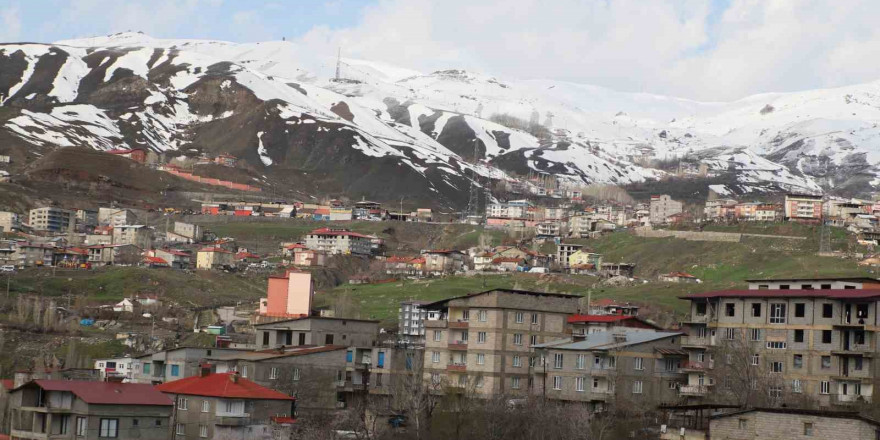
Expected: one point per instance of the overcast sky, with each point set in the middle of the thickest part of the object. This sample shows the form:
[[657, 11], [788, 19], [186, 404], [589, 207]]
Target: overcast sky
[[700, 49]]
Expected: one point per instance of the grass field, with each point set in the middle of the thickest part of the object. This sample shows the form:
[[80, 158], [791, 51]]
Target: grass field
[[719, 265], [114, 283]]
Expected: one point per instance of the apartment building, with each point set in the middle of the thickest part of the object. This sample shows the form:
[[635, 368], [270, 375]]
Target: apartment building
[[114, 368], [338, 241], [9, 221], [564, 251], [76, 409], [719, 209], [483, 341], [224, 406], [138, 235], [641, 368], [514, 209], [116, 217], [51, 219], [411, 321], [173, 364], [214, 258], [803, 207], [808, 336], [443, 261], [86, 219], [662, 207], [317, 330]]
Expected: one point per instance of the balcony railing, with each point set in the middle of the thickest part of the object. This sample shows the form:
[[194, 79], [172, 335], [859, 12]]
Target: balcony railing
[[458, 324], [456, 367], [693, 390], [435, 323], [697, 366], [695, 341], [458, 345]]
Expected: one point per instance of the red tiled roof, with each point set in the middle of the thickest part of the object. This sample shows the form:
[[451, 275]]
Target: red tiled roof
[[297, 246], [245, 255], [221, 385], [794, 293], [107, 393], [7, 383], [155, 260], [175, 252]]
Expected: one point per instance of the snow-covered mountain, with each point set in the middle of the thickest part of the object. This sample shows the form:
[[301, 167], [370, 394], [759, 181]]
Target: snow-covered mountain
[[383, 131]]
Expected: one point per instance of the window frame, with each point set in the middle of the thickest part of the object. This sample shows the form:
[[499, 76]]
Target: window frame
[[108, 431]]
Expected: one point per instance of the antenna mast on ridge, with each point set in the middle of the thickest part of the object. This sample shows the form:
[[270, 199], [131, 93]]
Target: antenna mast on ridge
[[338, 62]]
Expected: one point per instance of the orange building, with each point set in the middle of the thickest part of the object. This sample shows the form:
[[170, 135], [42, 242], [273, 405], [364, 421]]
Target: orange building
[[289, 295]]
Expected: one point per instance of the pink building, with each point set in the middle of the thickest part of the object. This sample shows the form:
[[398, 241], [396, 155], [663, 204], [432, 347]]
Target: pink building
[[289, 295]]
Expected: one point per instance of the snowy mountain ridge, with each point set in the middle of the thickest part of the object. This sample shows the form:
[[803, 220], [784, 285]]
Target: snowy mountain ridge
[[132, 90]]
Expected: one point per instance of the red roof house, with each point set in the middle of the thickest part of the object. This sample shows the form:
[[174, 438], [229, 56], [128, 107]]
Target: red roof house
[[223, 385]]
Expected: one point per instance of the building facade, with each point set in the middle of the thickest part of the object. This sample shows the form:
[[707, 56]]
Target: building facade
[[662, 207], [411, 321], [338, 241], [51, 219], [803, 207]]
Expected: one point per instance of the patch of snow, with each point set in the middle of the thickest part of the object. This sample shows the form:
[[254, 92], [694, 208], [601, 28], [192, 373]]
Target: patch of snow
[[261, 150]]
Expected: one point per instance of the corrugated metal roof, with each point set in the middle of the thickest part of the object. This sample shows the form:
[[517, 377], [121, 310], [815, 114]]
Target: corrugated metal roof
[[106, 393], [607, 341]]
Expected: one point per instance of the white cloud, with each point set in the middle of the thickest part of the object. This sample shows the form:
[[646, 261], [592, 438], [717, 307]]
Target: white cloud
[[10, 23], [660, 46]]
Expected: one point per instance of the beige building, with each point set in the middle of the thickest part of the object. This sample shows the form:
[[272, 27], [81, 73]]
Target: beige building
[[214, 258], [185, 233], [662, 207], [116, 217], [9, 221], [74, 409], [138, 235], [51, 219], [484, 341], [338, 241], [810, 337], [639, 367], [789, 424], [803, 207]]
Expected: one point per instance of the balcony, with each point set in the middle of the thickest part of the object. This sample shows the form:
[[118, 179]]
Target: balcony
[[232, 419], [688, 366], [693, 390], [697, 343], [458, 345], [855, 350], [458, 324], [456, 367], [602, 372], [435, 323], [700, 319]]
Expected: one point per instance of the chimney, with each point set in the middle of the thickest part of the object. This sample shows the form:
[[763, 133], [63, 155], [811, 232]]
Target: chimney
[[234, 377]]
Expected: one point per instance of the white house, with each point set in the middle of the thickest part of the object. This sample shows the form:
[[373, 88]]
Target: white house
[[124, 306]]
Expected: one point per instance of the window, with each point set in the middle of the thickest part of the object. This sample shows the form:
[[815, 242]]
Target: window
[[465, 315], [798, 336], [825, 387], [595, 383], [181, 403], [776, 367], [206, 406], [638, 364], [479, 383], [581, 362], [825, 286], [858, 364], [180, 429], [784, 287], [109, 428], [514, 383], [827, 310], [535, 318], [755, 334], [756, 310], [730, 333], [158, 422], [729, 309], [557, 382], [481, 337], [517, 361], [701, 309], [807, 286], [763, 286], [481, 359], [579, 384], [756, 359], [519, 317], [557, 361], [435, 357], [775, 391], [234, 406], [826, 362], [743, 424], [203, 431], [265, 338], [273, 373], [796, 386], [482, 315], [826, 336], [244, 371], [328, 339], [437, 335], [296, 374], [776, 345], [777, 313], [808, 429], [637, 387], [147, 368], [517, 339], [798, 361], [349, 355], [800, 310], [533, 340], [464, 337], [175, 370], [82, 426]]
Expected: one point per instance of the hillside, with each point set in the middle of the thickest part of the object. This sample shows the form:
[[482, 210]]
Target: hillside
[[383, 132]]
